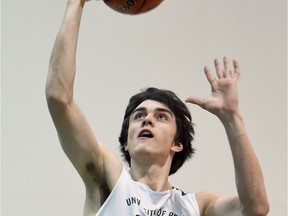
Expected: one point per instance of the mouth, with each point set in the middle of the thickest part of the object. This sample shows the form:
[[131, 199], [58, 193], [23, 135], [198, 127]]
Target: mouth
[[145, 134]]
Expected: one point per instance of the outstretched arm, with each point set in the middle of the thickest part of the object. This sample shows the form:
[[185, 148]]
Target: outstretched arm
[[97, 165], [223, 102]]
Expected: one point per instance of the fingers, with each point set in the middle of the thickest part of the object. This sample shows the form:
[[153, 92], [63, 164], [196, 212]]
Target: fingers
[[223, 88], [236, 68], [218, 67], [209, 75], [227, 67], [225, 71], [195, 100]]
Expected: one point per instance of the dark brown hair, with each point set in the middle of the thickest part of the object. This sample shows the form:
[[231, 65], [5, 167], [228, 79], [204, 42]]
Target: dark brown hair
[[185, 131]]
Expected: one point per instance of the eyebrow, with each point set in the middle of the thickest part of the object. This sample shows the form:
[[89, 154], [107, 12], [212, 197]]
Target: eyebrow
[[140, 109]]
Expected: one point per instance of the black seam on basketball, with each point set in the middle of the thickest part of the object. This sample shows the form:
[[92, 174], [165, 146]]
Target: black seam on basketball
[[141, 7]]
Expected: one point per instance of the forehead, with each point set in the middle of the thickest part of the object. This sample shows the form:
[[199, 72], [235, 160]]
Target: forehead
[[152, 105]]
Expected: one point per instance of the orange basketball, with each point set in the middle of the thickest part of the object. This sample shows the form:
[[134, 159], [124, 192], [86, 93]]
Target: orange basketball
[[132, 6]]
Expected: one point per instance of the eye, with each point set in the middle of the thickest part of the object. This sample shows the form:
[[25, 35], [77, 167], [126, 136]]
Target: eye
[[162, 116], [139, 116]]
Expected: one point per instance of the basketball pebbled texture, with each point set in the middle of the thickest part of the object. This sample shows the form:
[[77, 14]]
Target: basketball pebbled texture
[[132, 6]]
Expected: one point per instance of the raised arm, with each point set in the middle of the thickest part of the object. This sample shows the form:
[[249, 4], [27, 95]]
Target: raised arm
[[97, 165], [223, 102]]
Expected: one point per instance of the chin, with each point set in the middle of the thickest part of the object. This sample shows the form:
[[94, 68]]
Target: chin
[[144, 149]]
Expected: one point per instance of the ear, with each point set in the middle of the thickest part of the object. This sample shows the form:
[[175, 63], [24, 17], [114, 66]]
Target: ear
[[177, 147], [126, 147]]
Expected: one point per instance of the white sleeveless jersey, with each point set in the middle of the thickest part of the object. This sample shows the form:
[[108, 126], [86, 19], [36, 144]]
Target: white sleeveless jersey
[[130, 198]]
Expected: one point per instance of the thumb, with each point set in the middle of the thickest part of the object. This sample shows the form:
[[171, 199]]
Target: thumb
[[195, 100]]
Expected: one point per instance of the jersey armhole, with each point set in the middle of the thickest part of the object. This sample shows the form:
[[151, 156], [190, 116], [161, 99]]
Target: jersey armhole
[[195, 203], [123, 171]]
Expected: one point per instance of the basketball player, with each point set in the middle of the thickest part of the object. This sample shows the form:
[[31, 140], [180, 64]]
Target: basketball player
[[155, 140]]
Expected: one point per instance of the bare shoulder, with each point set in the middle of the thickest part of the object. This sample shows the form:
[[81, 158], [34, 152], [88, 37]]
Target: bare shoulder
[[212, 203], [206, 198]]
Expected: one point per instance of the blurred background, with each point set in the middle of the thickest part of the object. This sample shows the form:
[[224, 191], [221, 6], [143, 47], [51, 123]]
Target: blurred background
[[118, 55]]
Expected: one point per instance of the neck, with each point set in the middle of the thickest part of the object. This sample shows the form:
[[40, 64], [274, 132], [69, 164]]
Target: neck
[[152, 175]]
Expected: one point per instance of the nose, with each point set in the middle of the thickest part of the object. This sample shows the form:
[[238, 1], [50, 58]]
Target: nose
[[147, 121]]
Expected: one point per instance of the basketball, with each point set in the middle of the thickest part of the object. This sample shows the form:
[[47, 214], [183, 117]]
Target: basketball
[[132, 6]]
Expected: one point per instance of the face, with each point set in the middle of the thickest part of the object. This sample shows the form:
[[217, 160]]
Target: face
[[152, 130]]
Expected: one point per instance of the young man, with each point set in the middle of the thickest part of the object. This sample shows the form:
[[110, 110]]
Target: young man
[[155, 140]]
